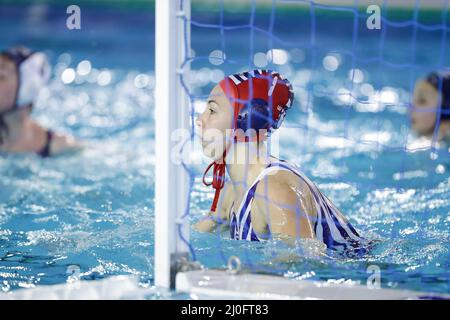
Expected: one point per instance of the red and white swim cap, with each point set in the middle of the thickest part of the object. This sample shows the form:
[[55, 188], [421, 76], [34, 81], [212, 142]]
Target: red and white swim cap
[[260, 99]]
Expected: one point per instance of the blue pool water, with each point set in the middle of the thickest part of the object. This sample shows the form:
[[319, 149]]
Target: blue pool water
[[94, 211]]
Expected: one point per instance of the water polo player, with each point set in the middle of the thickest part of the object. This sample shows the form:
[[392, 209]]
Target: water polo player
[[265, 197], [23, 74], [431, 105]]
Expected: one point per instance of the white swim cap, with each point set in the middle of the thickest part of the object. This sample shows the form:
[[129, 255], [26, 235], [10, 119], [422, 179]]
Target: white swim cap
[[34, 75], [33, 71]]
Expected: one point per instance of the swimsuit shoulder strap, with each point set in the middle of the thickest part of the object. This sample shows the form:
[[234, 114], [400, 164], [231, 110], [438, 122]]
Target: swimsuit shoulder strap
[[242, 215], [45, 151]]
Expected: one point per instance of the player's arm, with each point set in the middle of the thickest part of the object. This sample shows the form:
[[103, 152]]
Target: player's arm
[[209, 222]]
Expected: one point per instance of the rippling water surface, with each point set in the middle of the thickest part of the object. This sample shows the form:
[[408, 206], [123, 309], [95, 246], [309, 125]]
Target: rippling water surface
[[94, 210]]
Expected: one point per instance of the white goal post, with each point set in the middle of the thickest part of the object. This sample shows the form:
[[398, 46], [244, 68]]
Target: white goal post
[[171, 113]]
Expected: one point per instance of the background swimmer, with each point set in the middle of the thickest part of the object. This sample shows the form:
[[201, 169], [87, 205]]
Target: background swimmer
[[429, 94], [22, 75]]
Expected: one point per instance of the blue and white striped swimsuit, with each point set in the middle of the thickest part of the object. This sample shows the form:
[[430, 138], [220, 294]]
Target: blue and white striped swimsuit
[[330, 226]]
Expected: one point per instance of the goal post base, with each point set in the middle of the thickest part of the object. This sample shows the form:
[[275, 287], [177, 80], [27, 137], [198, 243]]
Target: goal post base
[[218, 284]]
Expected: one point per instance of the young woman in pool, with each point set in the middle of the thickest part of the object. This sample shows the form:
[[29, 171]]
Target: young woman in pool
[[22, 75], [265, 197], [431, 95]]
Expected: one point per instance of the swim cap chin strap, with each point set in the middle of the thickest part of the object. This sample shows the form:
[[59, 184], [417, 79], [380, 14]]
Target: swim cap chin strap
[[218, 180]]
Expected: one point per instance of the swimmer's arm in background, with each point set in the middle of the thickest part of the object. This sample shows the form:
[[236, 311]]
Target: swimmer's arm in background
[[64, 144], [61, 143], [213, 219]]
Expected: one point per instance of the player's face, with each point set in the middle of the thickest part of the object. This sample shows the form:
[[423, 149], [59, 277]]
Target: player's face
[[425, 106], [8, 83], [215, 123]]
